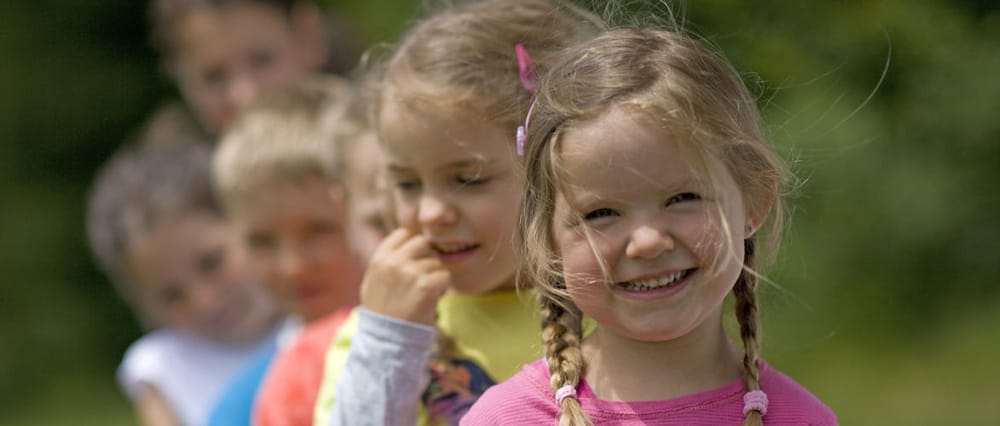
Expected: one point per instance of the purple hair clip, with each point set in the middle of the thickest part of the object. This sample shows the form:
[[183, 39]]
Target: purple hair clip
[[529, 81]]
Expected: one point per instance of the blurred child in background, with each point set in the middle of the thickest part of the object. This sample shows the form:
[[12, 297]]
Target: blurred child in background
[[449, 97], [223, 53], [281, 172], [160, 236]]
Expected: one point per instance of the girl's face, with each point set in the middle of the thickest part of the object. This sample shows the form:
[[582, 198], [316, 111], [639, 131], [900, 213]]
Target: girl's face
[[656, 222], [454, 182], [192, 275], [296, 235], [226, 56]]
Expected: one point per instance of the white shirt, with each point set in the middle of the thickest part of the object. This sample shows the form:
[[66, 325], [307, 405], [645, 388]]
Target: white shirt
[[189, 371]]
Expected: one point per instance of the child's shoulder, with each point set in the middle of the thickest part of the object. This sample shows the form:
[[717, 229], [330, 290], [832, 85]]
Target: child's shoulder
[[522, 399], [150, 358], [790, 402], [155, 345]]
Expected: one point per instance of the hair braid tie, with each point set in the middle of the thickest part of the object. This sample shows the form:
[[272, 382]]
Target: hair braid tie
[[565, 392], [755, 401]]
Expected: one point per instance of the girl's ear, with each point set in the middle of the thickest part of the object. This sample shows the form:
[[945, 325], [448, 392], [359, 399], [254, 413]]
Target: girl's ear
[[756, 214], [309, 26]]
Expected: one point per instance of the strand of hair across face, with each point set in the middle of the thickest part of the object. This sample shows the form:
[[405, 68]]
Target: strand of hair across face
[[561, 336], [746, 315]]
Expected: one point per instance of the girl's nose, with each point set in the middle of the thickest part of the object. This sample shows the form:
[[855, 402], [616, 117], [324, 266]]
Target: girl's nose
[[434, 212], [647, 242]]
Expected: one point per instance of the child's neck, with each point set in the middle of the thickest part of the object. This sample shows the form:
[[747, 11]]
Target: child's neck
[[622, 369]]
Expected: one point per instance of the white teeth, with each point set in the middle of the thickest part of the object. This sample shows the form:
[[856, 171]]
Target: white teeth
[[453, 248], [665, 281]]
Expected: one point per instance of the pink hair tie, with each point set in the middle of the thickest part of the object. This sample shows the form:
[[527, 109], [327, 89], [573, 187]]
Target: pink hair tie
[[565, 392], [529, 78], [755, 401]]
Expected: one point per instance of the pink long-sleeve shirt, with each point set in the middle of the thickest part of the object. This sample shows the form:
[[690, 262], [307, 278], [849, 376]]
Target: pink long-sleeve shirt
[[527, 399]]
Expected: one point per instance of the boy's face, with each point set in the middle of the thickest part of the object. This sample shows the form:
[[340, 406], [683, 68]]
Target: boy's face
[[296, 236], [369, 199], [226, 56], [191, 275]]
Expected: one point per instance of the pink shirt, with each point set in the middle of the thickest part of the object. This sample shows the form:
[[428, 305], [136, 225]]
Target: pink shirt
[[527, 399], [289, 392]]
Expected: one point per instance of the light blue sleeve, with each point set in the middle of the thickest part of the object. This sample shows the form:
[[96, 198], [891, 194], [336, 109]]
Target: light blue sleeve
[[386, 373]]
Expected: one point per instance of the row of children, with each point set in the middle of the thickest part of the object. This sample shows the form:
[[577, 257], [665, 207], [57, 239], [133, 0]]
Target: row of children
[[532, 165]]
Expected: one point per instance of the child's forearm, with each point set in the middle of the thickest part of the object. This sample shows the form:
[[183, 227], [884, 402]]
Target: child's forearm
[[386, 373]]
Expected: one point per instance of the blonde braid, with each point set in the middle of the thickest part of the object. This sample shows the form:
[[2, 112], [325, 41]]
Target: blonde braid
[[561, 337], [746, 315]]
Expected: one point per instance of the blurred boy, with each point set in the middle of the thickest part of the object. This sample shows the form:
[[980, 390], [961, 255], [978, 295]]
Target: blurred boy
[[281, 173], [160, 236]]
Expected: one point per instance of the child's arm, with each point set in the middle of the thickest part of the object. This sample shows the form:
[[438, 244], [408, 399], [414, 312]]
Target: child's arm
[[153, 410], [386, 367], [385, 373]]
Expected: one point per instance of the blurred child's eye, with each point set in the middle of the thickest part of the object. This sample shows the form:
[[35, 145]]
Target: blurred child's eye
[[211, 260], [599, 213], [170, 295], [261, 58], [213, 77], [682, 197], [259, 242], [407, 184]]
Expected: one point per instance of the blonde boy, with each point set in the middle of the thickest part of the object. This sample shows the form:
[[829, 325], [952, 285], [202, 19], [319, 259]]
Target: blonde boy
[[282, 173], [279, 174]]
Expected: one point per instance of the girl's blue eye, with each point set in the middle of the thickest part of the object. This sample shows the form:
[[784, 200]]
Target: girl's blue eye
[[682, 197], [599, 213]]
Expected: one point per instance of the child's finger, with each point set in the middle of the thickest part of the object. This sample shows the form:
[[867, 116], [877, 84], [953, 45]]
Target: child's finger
[[426, 265], [435, 283], [392, 241], [415, 248]]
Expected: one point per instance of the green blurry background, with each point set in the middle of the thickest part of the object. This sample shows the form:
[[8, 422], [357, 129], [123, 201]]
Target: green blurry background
[[884, 304]]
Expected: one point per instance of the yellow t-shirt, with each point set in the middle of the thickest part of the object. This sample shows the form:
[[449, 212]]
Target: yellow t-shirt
[[494, 335]]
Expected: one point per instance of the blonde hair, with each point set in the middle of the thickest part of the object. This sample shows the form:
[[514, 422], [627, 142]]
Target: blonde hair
[[464, 57], [163, 175], [698, 97], [289, 135]]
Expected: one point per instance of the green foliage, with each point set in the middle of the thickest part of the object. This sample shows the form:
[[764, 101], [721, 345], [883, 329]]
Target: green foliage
[[885, 289]]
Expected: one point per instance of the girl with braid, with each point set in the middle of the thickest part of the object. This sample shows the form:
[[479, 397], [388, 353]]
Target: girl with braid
[[440, 320], [650, 190]]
